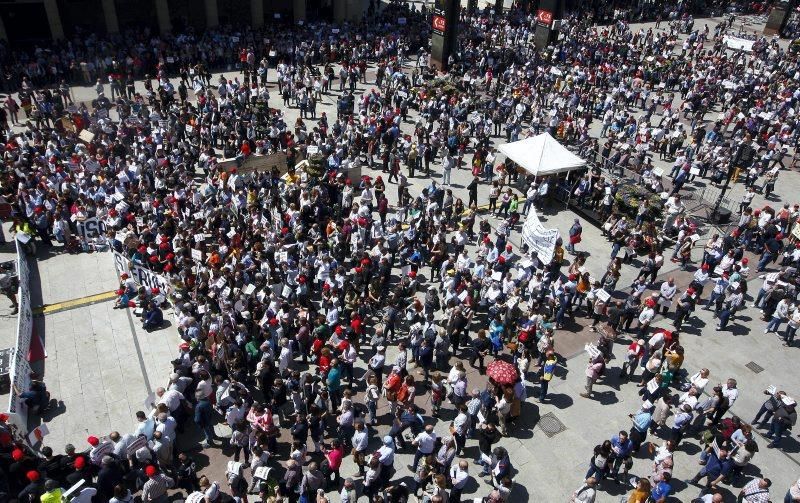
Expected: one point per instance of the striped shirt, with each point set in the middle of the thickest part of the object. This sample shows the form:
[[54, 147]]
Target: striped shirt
[[156, 487]]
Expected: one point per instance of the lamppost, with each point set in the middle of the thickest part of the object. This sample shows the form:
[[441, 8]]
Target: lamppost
[[743, 158]]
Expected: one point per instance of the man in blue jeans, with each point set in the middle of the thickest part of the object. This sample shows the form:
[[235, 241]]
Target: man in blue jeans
[[784, 418], [717, 467], [203, 413], [622, 448], [772, 248]]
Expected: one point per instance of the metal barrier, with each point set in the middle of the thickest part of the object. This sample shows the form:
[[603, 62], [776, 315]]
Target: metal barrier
[[20, 368]]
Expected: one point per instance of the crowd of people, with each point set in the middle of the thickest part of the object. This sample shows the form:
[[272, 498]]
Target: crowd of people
[[286, 282]]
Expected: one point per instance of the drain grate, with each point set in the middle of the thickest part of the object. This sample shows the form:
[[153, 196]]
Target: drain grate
[[550, 425], [755, 367]]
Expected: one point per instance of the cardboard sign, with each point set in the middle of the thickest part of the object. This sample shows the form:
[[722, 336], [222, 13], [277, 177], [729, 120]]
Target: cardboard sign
[[135, 445], [197, 255], [37, 434], [592, 350], [86, 136]]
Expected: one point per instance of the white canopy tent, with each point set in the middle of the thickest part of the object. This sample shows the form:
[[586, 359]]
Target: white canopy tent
[[542, 155]]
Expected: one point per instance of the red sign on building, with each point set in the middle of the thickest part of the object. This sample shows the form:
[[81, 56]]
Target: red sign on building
[[544, 17], [439, 23]]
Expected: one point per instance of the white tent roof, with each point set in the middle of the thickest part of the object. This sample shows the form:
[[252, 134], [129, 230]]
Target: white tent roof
[[541, 155]]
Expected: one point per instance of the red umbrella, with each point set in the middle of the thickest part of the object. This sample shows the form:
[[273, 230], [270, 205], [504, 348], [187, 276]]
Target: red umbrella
[[502, 372]]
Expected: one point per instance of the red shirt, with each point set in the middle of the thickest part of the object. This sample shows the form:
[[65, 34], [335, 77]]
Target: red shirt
[[335, 458]]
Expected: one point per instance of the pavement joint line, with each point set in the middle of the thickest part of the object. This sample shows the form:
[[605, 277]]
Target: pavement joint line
[[139, 356], [74, 303]]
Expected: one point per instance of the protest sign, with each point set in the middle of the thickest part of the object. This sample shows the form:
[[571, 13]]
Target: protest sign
[[541, 241]]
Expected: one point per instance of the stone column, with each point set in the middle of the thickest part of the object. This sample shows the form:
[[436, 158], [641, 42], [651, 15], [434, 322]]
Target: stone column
[[257, 13], [110, 13], [212, 15], [299, 8], [162, 11], [340, 10], [54, 19]]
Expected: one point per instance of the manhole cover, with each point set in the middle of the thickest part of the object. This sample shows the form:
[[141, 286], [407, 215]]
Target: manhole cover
[[550, 425], [755, 367]]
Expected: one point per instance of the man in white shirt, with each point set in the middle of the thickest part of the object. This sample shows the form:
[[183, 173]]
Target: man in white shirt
[[459, 475], [235, 413], [166, 425], [171, 398], [146, 425], [360, 441], [731, 392], [425, 443], [461, 425]]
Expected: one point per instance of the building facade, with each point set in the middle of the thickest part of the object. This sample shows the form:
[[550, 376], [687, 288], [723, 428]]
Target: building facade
[[29, 21]]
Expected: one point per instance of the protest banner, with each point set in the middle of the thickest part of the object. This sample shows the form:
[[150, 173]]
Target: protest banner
[[540, 241], [139, 273]]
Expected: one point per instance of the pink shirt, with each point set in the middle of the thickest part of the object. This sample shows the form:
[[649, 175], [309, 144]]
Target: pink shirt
[[335, 458]]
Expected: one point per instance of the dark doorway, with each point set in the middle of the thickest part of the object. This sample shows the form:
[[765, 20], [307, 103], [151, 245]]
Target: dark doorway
[[185, 14], [25, 23]]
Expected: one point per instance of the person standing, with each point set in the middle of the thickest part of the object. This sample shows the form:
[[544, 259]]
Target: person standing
[[473, 192], [793, 493], [13, 109], [459, 476], [593, 371], [348, 493], [425, 443], [574, 236], [155, 489], [203, 412], [784, 418], [731, 393], [546, 373], [360, 440], [717, 467], [756, 491], [447, 167], [334, 382]]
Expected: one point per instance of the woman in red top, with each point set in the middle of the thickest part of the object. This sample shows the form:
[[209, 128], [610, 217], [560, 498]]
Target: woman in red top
[[324, 363], [333, 461]]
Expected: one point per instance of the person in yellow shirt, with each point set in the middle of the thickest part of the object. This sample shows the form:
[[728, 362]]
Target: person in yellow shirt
[[53, 492]]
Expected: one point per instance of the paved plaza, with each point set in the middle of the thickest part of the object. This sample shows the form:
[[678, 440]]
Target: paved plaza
[[102, 365]]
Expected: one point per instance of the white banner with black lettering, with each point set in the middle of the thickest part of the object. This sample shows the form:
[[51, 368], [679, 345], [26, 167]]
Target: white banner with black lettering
[[140, 274], [540, 241], [20, 368], [91, 228]]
